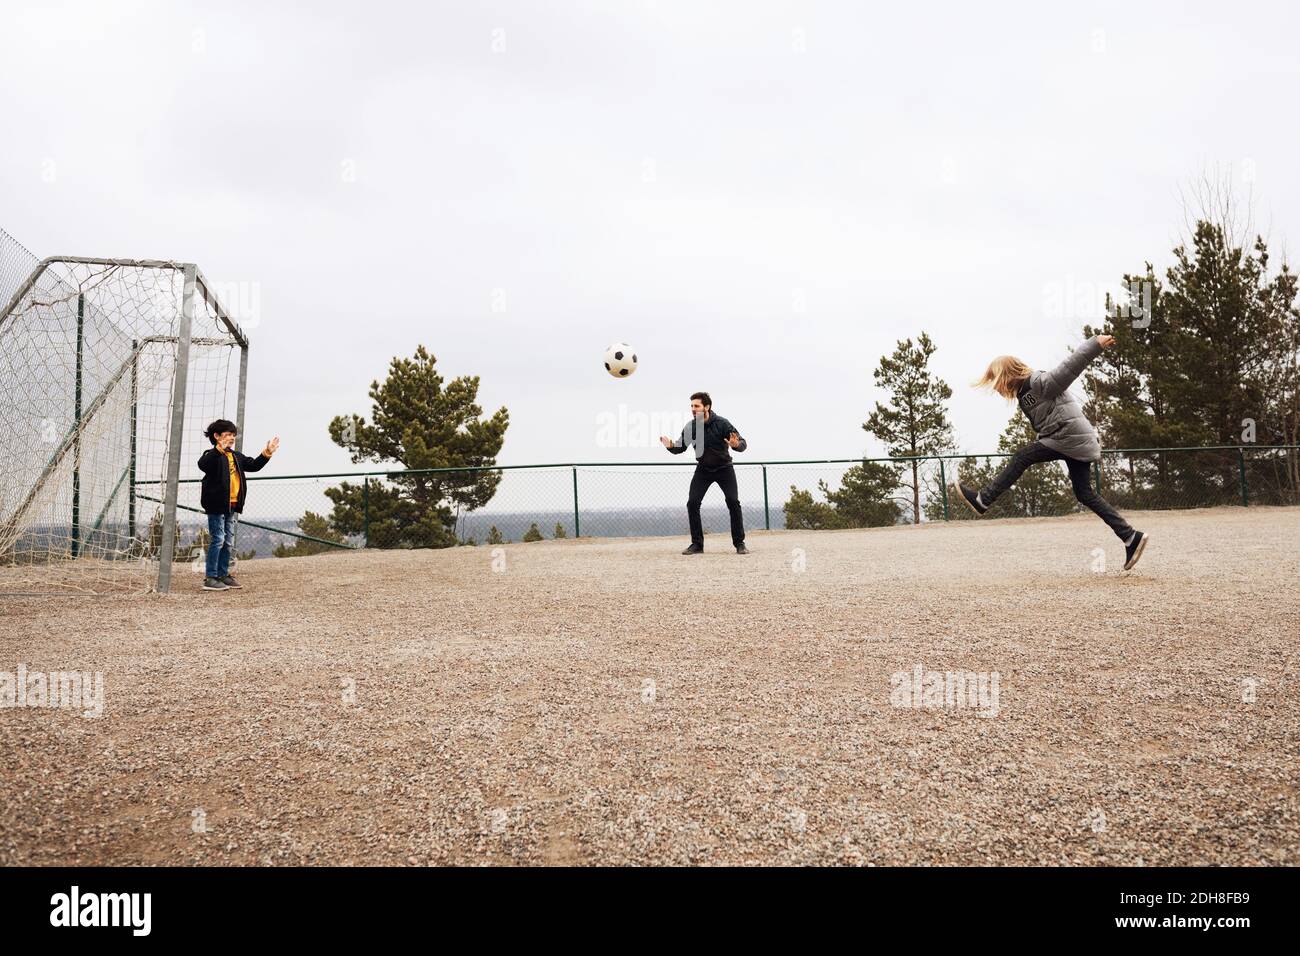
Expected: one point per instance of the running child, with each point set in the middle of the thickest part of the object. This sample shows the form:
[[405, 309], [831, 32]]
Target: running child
[[1063, 432]]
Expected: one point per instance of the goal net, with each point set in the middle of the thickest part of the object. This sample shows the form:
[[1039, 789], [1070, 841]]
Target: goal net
[[109, 371]]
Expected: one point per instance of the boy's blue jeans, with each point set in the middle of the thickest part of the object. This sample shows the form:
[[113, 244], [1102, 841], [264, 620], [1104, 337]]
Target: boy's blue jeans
[[221, 538]]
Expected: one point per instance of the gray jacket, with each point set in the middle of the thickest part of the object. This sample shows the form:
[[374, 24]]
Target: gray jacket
[[1055, 414]]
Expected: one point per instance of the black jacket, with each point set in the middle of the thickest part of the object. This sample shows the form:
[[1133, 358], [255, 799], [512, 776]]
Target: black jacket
[[717, 453], [215, 498]]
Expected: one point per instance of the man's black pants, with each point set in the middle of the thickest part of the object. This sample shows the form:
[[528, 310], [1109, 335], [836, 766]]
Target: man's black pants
[[726, 479], [1079, 478]]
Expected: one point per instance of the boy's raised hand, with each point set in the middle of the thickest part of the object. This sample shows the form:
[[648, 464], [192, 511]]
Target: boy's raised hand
[[271, 446], [1105, 341]]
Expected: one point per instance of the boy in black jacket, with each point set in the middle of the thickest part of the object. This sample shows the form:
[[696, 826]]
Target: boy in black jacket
[[224, 491]]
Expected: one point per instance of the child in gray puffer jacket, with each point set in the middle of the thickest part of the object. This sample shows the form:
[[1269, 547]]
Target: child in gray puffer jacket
[[1063, 433]]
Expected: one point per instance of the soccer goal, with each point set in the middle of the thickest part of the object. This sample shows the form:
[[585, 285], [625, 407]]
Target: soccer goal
[[109, 370]]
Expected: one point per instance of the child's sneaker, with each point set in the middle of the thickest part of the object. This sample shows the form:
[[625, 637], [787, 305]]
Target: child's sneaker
[[968, 495], [230, 582], [215, 584], [1133, 550]]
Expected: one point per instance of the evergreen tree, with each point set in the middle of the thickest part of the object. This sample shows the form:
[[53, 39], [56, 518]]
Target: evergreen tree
[[914, 419], [804, 513], [316, 526], [533, 533], [864, 499], [1217, 351], [419, 421]]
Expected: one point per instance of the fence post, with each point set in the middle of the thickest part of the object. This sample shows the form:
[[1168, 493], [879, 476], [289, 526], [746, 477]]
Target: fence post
[[577, 530], [943, 484], [76, 424], [1096, 475], [365, 513], [130, 464], [767, 515], [1241, 468]]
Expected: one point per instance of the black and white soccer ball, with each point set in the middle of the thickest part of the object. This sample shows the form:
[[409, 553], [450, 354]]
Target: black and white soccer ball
[[620, 360]]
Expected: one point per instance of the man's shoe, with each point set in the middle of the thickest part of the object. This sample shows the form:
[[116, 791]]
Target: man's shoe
[[968, 495], [215, 584], [742, 550], [230, 582], [694, 549], [1133, 550]]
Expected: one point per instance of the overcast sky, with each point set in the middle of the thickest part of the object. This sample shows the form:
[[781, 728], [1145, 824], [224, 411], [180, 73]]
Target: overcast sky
[[762, 197]]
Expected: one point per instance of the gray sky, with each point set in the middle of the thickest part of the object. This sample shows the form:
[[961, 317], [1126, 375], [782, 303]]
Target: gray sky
[[761, 197]]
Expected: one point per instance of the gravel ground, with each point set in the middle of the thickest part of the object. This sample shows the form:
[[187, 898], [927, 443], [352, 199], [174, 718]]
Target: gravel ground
[[609, 701]]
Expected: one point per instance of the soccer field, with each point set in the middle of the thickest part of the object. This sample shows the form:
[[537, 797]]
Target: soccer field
[[610, 701]]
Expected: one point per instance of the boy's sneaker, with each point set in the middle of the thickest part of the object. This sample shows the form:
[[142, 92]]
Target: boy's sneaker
[[215, 584], [230, 582], [968, 495], [742, 550], [1133, 550], [694, 549]]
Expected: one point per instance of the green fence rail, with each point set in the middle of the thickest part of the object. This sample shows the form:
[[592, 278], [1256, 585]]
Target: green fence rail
[[599, 499]]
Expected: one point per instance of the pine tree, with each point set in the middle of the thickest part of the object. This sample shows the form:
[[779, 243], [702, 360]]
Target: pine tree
[[914, 420], [419, 421], [316, 526], [559, 531], [494, 536], [533, 533], [864, 499], [805, 513], [1219, 349]]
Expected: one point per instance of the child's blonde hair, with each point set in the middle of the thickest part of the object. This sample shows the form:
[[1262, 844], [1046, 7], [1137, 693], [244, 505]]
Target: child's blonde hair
[[1005, 375]]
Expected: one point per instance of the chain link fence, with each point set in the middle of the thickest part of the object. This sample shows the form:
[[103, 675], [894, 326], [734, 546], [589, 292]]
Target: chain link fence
[[304, 514]]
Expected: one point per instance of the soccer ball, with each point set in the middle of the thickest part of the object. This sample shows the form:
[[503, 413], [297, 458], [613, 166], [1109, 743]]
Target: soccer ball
[[620, 360]]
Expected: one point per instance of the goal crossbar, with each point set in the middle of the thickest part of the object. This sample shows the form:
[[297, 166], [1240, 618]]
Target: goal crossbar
[[201, 285]]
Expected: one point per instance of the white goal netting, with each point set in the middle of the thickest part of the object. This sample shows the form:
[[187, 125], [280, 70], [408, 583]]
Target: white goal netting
[[91, 351]]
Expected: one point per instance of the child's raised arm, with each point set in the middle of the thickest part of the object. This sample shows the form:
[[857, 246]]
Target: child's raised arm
[[258, 463], [1062, 377]]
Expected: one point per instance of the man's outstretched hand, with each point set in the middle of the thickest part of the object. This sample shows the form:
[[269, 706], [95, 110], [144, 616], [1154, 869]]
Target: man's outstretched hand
[[1105, 341], [666, 441], [733, 440], [271, 446]]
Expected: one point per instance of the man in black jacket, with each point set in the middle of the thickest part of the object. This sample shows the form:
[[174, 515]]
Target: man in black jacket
[[223, 495], [713, 436]]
